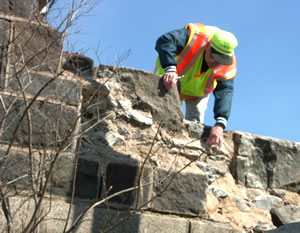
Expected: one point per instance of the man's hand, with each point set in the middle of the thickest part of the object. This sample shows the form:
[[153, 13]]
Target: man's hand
[[216, 135], [170, 80]]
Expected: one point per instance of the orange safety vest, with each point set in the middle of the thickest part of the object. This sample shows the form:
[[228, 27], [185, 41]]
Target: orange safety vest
[[189, 62]]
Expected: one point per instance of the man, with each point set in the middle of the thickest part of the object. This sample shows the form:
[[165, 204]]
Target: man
[[202, 59]]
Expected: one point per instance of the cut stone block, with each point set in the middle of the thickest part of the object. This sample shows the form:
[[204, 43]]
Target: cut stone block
[[259, 162], [213, 227], [88, 179], [121, 176], [59, 88], [4, 35], [36, 47], [96, 220], [24, 8], [78, 64], [181, 193], [286, 214], [50, 124]]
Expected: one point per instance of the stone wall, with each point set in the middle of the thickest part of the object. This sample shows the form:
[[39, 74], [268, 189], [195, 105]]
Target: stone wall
[[137, 165], [39, 108], [26, 8], [238, 188]]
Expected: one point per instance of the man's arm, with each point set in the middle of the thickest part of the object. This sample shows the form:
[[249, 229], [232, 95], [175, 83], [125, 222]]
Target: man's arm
[[223, 98], [171, 44], [168, 46]]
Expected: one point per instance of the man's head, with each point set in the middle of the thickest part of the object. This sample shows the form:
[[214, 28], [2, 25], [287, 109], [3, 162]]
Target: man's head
[[222, 45]]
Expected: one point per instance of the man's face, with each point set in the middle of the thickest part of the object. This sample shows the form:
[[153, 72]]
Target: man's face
[[208, 58]]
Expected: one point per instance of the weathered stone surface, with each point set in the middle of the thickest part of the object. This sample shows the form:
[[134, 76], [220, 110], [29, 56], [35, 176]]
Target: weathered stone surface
[[188, 143], [259, 163], [253, 194], [118, 142], [277, 193], [36, 47], [63, 174], [212, 227], [88, 179], [263, 227], [95, 91], [4, 35], [183, 193], [50, 124], [56, 88], [141, 118], [242, 205], [286, 214], [153, 223], [197, 130], [24, 8], [136, 223], [122, 176], [114, 139], [210, 170], [16, 167], [149, 95], [219, 163], [78, 64], [95, 221], [218, 192], [267, 202], [288, 228]]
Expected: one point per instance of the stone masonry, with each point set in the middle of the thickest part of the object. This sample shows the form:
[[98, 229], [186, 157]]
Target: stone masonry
[[106, 149]]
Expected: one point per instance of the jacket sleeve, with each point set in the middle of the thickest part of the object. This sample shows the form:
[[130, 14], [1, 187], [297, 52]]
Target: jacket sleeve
[[171, 44], [223, 99]]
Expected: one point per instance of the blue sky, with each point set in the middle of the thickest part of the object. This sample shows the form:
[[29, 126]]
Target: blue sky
[[266, 98]]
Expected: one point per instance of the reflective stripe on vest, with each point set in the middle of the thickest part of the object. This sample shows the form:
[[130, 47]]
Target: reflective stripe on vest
[[193, 49], [220, 73], [210, 80]]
